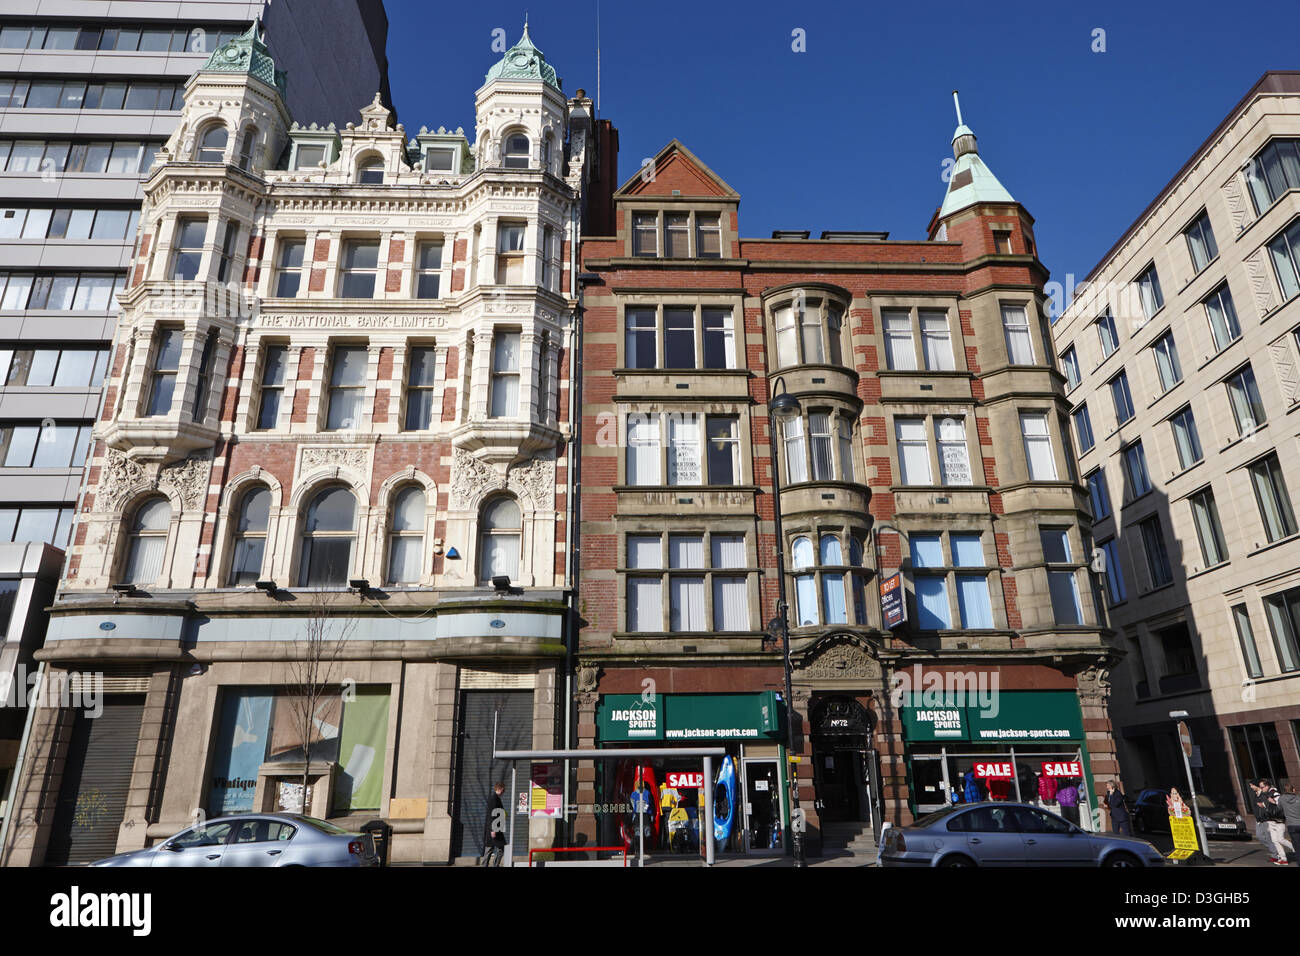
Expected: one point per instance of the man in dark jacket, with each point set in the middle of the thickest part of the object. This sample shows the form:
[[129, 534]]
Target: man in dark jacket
[[1119, 818], [494, 829], [1264, 808]]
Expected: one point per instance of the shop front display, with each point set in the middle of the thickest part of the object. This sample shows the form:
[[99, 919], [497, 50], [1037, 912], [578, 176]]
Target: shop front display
[[750, 811], [1026, 746]]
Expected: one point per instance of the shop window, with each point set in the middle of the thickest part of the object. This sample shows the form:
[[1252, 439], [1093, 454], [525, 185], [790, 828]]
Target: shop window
[[500, 533], [406, 536], [249, 539], [272, 387], [328, 536], [147, 541], [1259, 754], [347, 387]]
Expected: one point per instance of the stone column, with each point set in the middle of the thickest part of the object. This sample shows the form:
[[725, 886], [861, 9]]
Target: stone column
[[442, 743], [1093, 683]]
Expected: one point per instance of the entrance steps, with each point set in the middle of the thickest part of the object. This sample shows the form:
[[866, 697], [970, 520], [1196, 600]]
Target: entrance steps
[[852, 837]]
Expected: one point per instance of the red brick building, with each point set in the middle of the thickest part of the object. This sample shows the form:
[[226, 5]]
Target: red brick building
[[929, 441]]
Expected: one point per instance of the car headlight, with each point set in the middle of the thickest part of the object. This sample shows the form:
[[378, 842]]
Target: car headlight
[[1239, 820], [1207, 821]]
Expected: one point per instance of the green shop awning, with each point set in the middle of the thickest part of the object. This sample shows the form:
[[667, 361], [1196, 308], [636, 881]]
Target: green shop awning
[[1020, 716], [631, 717]]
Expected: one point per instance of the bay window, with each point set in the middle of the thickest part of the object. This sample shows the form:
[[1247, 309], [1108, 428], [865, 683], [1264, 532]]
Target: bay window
[[504, 386], [1020, 343], [1062, 584], [809, 331], [1038, 446]]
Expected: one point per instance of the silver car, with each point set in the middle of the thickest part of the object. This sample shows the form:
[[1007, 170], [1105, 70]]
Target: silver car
[[261, 839], [1008, 834]]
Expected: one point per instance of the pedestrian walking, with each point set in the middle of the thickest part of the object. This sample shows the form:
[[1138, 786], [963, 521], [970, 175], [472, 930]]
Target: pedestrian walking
[[1290, 804], [1263, 806], [1276, 822], [1119, 817], [494, 828]]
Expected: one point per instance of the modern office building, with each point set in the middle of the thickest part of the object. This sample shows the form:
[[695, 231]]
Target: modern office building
[[1181, 357], [922, 455], [89, 92]]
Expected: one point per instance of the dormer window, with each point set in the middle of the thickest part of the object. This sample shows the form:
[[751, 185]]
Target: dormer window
[[309, 157], [439, 159], [708, 236], [645, 234], [212, 145], [685, 235], [371, 172], [515, 155]]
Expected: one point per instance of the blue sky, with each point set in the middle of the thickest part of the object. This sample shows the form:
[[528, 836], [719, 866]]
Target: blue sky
[[852, 133]]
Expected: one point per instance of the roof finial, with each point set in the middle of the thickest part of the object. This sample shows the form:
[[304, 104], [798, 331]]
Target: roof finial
[[525, 36], [957, 103]]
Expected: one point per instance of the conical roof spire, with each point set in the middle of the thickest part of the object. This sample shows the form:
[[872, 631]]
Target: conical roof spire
[[247, 53], [524, 61], [972, 182]]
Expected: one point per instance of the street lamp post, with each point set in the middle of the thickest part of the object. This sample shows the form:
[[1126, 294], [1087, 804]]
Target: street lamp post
[[785, 406]]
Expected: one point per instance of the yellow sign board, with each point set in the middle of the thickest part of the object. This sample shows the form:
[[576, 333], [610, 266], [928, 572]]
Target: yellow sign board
[[1184, 833], [1180, 855]]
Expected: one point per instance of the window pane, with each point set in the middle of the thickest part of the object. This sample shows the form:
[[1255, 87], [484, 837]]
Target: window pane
[[967, 550], [730, 604], [719, 340], [1064, 589], [796, 462], [1246, 636], [931, 603], [684, 450], [973, 601], [899, 351], [723, 450], [926, 550], [639, 344], [1020, 349], [679, 338], [645, 605], [936, 342], [686, 604]]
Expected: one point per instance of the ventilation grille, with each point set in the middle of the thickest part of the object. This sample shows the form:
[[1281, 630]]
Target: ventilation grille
[[510, 676], [117, 678]]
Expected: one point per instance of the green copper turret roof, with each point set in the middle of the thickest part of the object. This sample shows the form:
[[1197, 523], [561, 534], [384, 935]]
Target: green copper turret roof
[[248, 54], [972, 182], [523, 61]]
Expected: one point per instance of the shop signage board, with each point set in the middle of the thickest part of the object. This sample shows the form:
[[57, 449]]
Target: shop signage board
[[997, 769], [893, 608], [630, 717], [1184, 832], [1008, 716]]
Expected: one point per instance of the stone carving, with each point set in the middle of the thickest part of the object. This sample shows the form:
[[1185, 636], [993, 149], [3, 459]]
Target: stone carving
[[841, 661], [1259, 282], [1286, 370], [187, 478], [470, 478], [537, 478], [354, 459], [1236, 207], [588, 677], [1094, 683]]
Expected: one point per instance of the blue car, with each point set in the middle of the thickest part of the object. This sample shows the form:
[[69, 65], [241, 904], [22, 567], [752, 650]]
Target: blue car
[[1008, 834]]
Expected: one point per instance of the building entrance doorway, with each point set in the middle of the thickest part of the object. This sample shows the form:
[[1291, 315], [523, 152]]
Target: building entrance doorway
[[843, 761]]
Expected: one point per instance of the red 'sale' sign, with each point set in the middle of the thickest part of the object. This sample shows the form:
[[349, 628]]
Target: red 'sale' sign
[[996, 769], [685, 781], [1062, 768]]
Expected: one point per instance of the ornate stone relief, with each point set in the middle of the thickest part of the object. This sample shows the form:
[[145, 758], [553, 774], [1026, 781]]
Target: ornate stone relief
[[588, 677], [1259, 283], [841, 660], [354, 459], [1286, 370], [471, 478], [188, 478], [1094, 683]]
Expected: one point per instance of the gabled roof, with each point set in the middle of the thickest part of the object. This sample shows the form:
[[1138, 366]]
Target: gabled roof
[[676, 168]]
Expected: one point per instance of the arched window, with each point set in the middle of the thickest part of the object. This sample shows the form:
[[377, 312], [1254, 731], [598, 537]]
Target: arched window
[[212, 145], [246, 148], [502, 527], [370, 171], [250, 537], [805, 585], [406, 536], [147, 542], [328, 534], [832, 556], [515, 154], [809, 332]]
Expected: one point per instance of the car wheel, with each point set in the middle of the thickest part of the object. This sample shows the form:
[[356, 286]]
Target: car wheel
[[956, 861], [1122, 859]]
